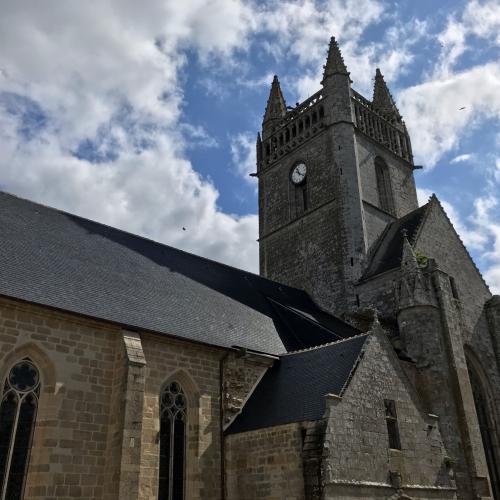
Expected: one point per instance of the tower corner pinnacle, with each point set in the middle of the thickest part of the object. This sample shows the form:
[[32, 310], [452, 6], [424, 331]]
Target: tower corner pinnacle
[[334, 62]]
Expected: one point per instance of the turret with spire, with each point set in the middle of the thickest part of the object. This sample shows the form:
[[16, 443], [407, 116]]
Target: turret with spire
[[275, 109], [334, 62], [337, 84], [383, 101]]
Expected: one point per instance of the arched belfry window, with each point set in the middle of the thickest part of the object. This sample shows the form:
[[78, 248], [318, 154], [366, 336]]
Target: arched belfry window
[[384, 188], [18, 409], [173, 420]]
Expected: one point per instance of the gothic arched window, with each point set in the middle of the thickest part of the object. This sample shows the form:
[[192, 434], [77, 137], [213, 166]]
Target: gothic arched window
[[173, 419], [384, 188], [18, 409]]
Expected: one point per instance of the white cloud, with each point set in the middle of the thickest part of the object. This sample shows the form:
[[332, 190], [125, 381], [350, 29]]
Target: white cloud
[[434, 114], [487, 221], [302, 29], [107, 79], [496, 171], [451, 102], [196, 135], [462, 158], [154, 194], [479, 18], [423, 196], [108, 72], [243, 155], [111, 73]]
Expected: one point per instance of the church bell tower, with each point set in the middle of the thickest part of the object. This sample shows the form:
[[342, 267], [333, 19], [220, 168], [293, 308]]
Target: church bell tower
[[333, 171]]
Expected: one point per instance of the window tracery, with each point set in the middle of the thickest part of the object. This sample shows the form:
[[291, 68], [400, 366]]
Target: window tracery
[[18, 409], [173, 419]]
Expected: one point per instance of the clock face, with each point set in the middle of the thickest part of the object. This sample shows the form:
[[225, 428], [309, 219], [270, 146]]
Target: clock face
[[299, 173]]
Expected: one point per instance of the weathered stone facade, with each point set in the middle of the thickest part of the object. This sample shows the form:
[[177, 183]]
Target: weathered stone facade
[[356, 426], [266, 463], [440, 318], [73, 453]]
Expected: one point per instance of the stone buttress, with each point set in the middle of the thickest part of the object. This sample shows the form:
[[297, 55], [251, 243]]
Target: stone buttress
[[429, 321]]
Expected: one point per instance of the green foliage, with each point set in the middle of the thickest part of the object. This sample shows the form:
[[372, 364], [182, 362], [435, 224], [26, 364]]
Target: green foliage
[[421, 259]]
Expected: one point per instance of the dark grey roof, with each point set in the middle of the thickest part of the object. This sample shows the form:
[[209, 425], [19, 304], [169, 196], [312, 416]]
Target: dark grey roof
[[389, 247], [293, 389], [59, 260]]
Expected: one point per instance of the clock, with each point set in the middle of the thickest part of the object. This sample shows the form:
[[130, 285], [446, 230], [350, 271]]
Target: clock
[[298, 175]]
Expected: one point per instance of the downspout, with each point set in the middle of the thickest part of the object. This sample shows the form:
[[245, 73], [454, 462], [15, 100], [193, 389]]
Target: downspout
[[221, 427]]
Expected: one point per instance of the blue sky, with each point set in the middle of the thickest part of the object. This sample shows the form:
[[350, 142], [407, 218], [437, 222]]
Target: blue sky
[[145, 116]]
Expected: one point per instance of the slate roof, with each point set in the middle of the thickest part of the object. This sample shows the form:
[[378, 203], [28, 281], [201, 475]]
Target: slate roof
[[293, 389], [389, 247], [56, 259]]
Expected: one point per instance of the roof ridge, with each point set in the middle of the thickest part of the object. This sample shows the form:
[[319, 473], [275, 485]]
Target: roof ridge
[[145, 238], [427, 206], [328, 344], [355, 365], [314, 321], [377, 246]]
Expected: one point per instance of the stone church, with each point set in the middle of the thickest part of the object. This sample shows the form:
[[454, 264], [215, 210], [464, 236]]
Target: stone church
[[363, 362]]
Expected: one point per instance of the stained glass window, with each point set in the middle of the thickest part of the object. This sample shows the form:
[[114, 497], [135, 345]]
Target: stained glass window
[[18, 410], [172, 442]]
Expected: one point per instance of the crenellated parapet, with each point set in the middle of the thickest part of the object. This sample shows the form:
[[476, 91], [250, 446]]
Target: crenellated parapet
[[285, 128], [390, 134], [296, 126]]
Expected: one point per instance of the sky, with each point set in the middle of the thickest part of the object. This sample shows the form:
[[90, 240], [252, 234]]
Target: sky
[[143, 115]]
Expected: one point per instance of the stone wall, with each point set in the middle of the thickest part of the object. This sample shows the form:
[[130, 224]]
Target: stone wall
[[376, 222], [304, 251], [76, 358], [196, 368], [115, 424], [481, 350], [438, 239], [359, 462], [378, 293], [265, 463], [277, 190], [97, 430], [401, 174], [241, 374]]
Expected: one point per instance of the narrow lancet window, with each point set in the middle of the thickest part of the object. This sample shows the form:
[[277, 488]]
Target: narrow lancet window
[[172, 442], [18, 409], [386, 200], [391, 419], [301, 199]]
